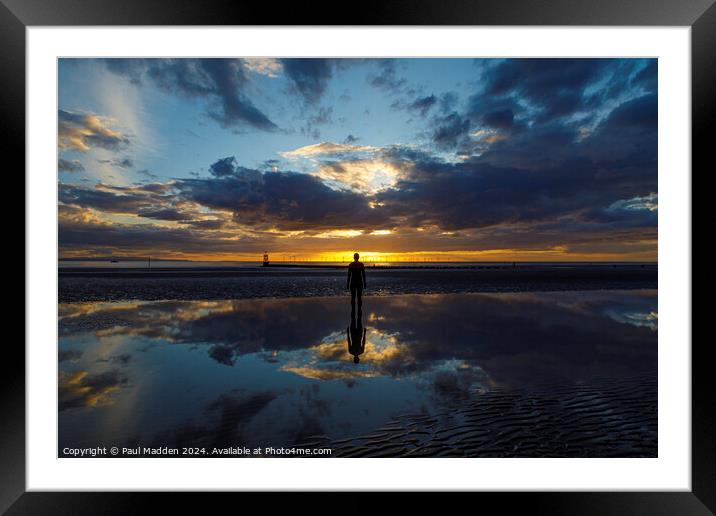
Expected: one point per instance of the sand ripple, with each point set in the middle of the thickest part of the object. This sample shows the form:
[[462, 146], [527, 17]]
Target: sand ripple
[[605, 418]]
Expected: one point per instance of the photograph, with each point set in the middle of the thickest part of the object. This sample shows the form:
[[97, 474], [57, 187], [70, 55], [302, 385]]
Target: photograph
[[337, 257], [318, 248]]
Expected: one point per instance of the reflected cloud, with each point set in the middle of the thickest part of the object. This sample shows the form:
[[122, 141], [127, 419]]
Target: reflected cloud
[[521, 339], [264, 372], [68, 355], [82, 389], [650, 319]]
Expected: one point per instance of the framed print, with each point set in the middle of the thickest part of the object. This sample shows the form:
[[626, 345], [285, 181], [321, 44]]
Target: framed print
[[433, 248]]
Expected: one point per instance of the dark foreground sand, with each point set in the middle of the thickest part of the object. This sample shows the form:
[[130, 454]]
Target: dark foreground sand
[[122, 285], [605, 418]]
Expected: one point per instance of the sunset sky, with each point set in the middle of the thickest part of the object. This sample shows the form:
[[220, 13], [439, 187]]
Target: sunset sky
[[412, 159]]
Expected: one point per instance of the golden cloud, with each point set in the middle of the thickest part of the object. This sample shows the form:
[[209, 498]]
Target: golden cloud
[[325, 148]]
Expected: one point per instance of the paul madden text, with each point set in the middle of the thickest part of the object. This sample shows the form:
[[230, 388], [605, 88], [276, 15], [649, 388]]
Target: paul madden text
[[166, 451]]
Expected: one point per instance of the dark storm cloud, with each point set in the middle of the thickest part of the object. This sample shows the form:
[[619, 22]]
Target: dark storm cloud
[[479, 194], [536, 174], [309, 77], [114, 199], [137, 238], [145, 201], [494, 112], [555, 89], [640, 113], [285, 200], [64, 165], [206, 223], [500, 119], [450, 131], [163, 214], [100, 199], [220, 80], [539, 148], [235, 108], [627, 139], [555, 86], [223, 167]]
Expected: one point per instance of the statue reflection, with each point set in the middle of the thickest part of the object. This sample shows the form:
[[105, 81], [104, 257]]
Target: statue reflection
[[356, 336]]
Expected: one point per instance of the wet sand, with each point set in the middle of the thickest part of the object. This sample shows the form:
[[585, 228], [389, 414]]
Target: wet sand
[[605, 418], [83, 285], [562, 374]]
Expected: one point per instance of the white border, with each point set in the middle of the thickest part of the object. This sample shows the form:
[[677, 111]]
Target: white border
[[672, 470]]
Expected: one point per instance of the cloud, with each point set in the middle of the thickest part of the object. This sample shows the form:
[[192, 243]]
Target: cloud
[[448, 101], [326, 148], [64, 165], [647, 77], [545, 163], [223, 422], [221, 81], [282, 200], [477, 194], [361, 175], [145, 172], [309, 77], [267, 66], [82, 131], [386, 78], [518, 184], [554, 86], [649, 202], [494, 113], [311, 127], [451, 131], [93, 237], [423, 105], [71, 355], [641, 112], [83, 390], [223, 354], [223, 167], [119, 163], [614, 332], [164, 214], [113, 199]]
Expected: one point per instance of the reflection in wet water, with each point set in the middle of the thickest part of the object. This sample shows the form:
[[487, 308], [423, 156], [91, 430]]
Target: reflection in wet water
[[274, 372]]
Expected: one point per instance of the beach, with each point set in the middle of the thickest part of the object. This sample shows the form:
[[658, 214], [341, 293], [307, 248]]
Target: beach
[[557, 372], [83, 284]]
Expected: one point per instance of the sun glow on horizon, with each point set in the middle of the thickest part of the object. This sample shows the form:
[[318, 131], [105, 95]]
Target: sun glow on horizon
[[376, 257]]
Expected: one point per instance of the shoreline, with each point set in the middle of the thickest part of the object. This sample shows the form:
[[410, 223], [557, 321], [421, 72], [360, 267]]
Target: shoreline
[[272, 269], [125, 285]]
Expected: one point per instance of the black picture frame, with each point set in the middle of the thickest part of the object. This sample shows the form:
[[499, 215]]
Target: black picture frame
[[17, 15]]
